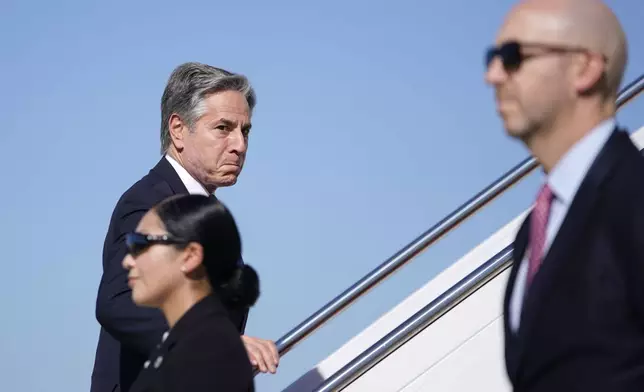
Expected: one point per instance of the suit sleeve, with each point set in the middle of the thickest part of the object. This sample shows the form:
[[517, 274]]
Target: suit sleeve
[[136, 327]]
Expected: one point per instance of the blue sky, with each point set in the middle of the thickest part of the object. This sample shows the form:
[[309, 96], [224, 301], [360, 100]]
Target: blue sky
[[373, 122]]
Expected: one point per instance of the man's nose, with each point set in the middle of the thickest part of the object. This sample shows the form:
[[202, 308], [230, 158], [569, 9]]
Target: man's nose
[[495, 73], [238, 142]]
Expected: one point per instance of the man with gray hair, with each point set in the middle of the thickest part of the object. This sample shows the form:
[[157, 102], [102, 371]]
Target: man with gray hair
[[205, 123]]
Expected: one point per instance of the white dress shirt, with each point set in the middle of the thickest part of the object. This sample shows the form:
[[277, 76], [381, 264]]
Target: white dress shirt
[[193, 186], [564, 180]]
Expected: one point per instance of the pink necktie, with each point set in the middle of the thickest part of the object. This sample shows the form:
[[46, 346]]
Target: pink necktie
[[538, 224]]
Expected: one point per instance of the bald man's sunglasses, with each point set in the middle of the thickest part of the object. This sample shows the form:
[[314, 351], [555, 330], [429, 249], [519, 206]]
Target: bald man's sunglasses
[[138, 243], [512, 54]]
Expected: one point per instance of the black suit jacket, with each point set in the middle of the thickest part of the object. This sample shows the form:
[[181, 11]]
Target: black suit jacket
[[202, 353], [129, 333], [582, 321]]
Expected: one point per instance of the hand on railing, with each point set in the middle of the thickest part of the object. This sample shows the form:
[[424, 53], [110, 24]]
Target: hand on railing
[[262, 353]]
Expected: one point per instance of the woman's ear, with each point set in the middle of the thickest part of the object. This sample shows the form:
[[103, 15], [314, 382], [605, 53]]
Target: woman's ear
[[192, 260]]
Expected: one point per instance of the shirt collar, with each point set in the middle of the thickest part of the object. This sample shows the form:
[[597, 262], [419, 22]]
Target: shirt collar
[[193, 186], [567, 175]]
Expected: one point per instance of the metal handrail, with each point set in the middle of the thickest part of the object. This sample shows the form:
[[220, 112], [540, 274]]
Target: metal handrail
[[419, 321], [444, 303], [384, 270]]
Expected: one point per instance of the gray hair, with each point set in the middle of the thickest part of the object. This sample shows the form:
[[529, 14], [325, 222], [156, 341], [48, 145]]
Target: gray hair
[[188, 86]]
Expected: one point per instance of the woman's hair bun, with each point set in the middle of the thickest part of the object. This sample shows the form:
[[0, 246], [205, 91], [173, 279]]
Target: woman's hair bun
[[242, 290]]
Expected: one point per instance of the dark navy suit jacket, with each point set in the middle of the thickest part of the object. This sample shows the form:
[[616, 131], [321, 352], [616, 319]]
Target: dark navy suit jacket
[[129, 333], [582, 323], [202, 353]]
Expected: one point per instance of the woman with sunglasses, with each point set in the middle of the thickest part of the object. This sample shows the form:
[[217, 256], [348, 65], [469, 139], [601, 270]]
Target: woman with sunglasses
[[183, 260]]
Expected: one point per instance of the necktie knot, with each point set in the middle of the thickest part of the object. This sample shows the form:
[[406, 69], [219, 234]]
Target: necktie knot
[[545, 195]]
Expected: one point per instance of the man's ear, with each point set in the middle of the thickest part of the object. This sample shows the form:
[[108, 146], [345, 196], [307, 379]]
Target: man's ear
[[178, 129], [192, 261], [590, 75]]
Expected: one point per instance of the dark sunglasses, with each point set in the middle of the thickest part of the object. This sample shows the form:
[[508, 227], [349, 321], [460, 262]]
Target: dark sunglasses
[[512, 53], [138, 243]]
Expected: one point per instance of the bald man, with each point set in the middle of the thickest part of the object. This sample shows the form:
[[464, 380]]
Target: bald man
[[574, 304]]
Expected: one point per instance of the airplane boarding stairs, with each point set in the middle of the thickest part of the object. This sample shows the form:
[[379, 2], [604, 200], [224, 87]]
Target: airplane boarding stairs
[[460, 351], [446, 336]]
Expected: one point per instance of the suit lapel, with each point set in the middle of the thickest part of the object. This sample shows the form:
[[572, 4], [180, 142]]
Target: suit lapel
[[568, 236], [518, 250], [165, 170], [511, 341]]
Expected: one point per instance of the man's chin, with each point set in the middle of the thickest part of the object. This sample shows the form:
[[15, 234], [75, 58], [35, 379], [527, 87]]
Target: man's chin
[[514, 130], [226, 181]]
